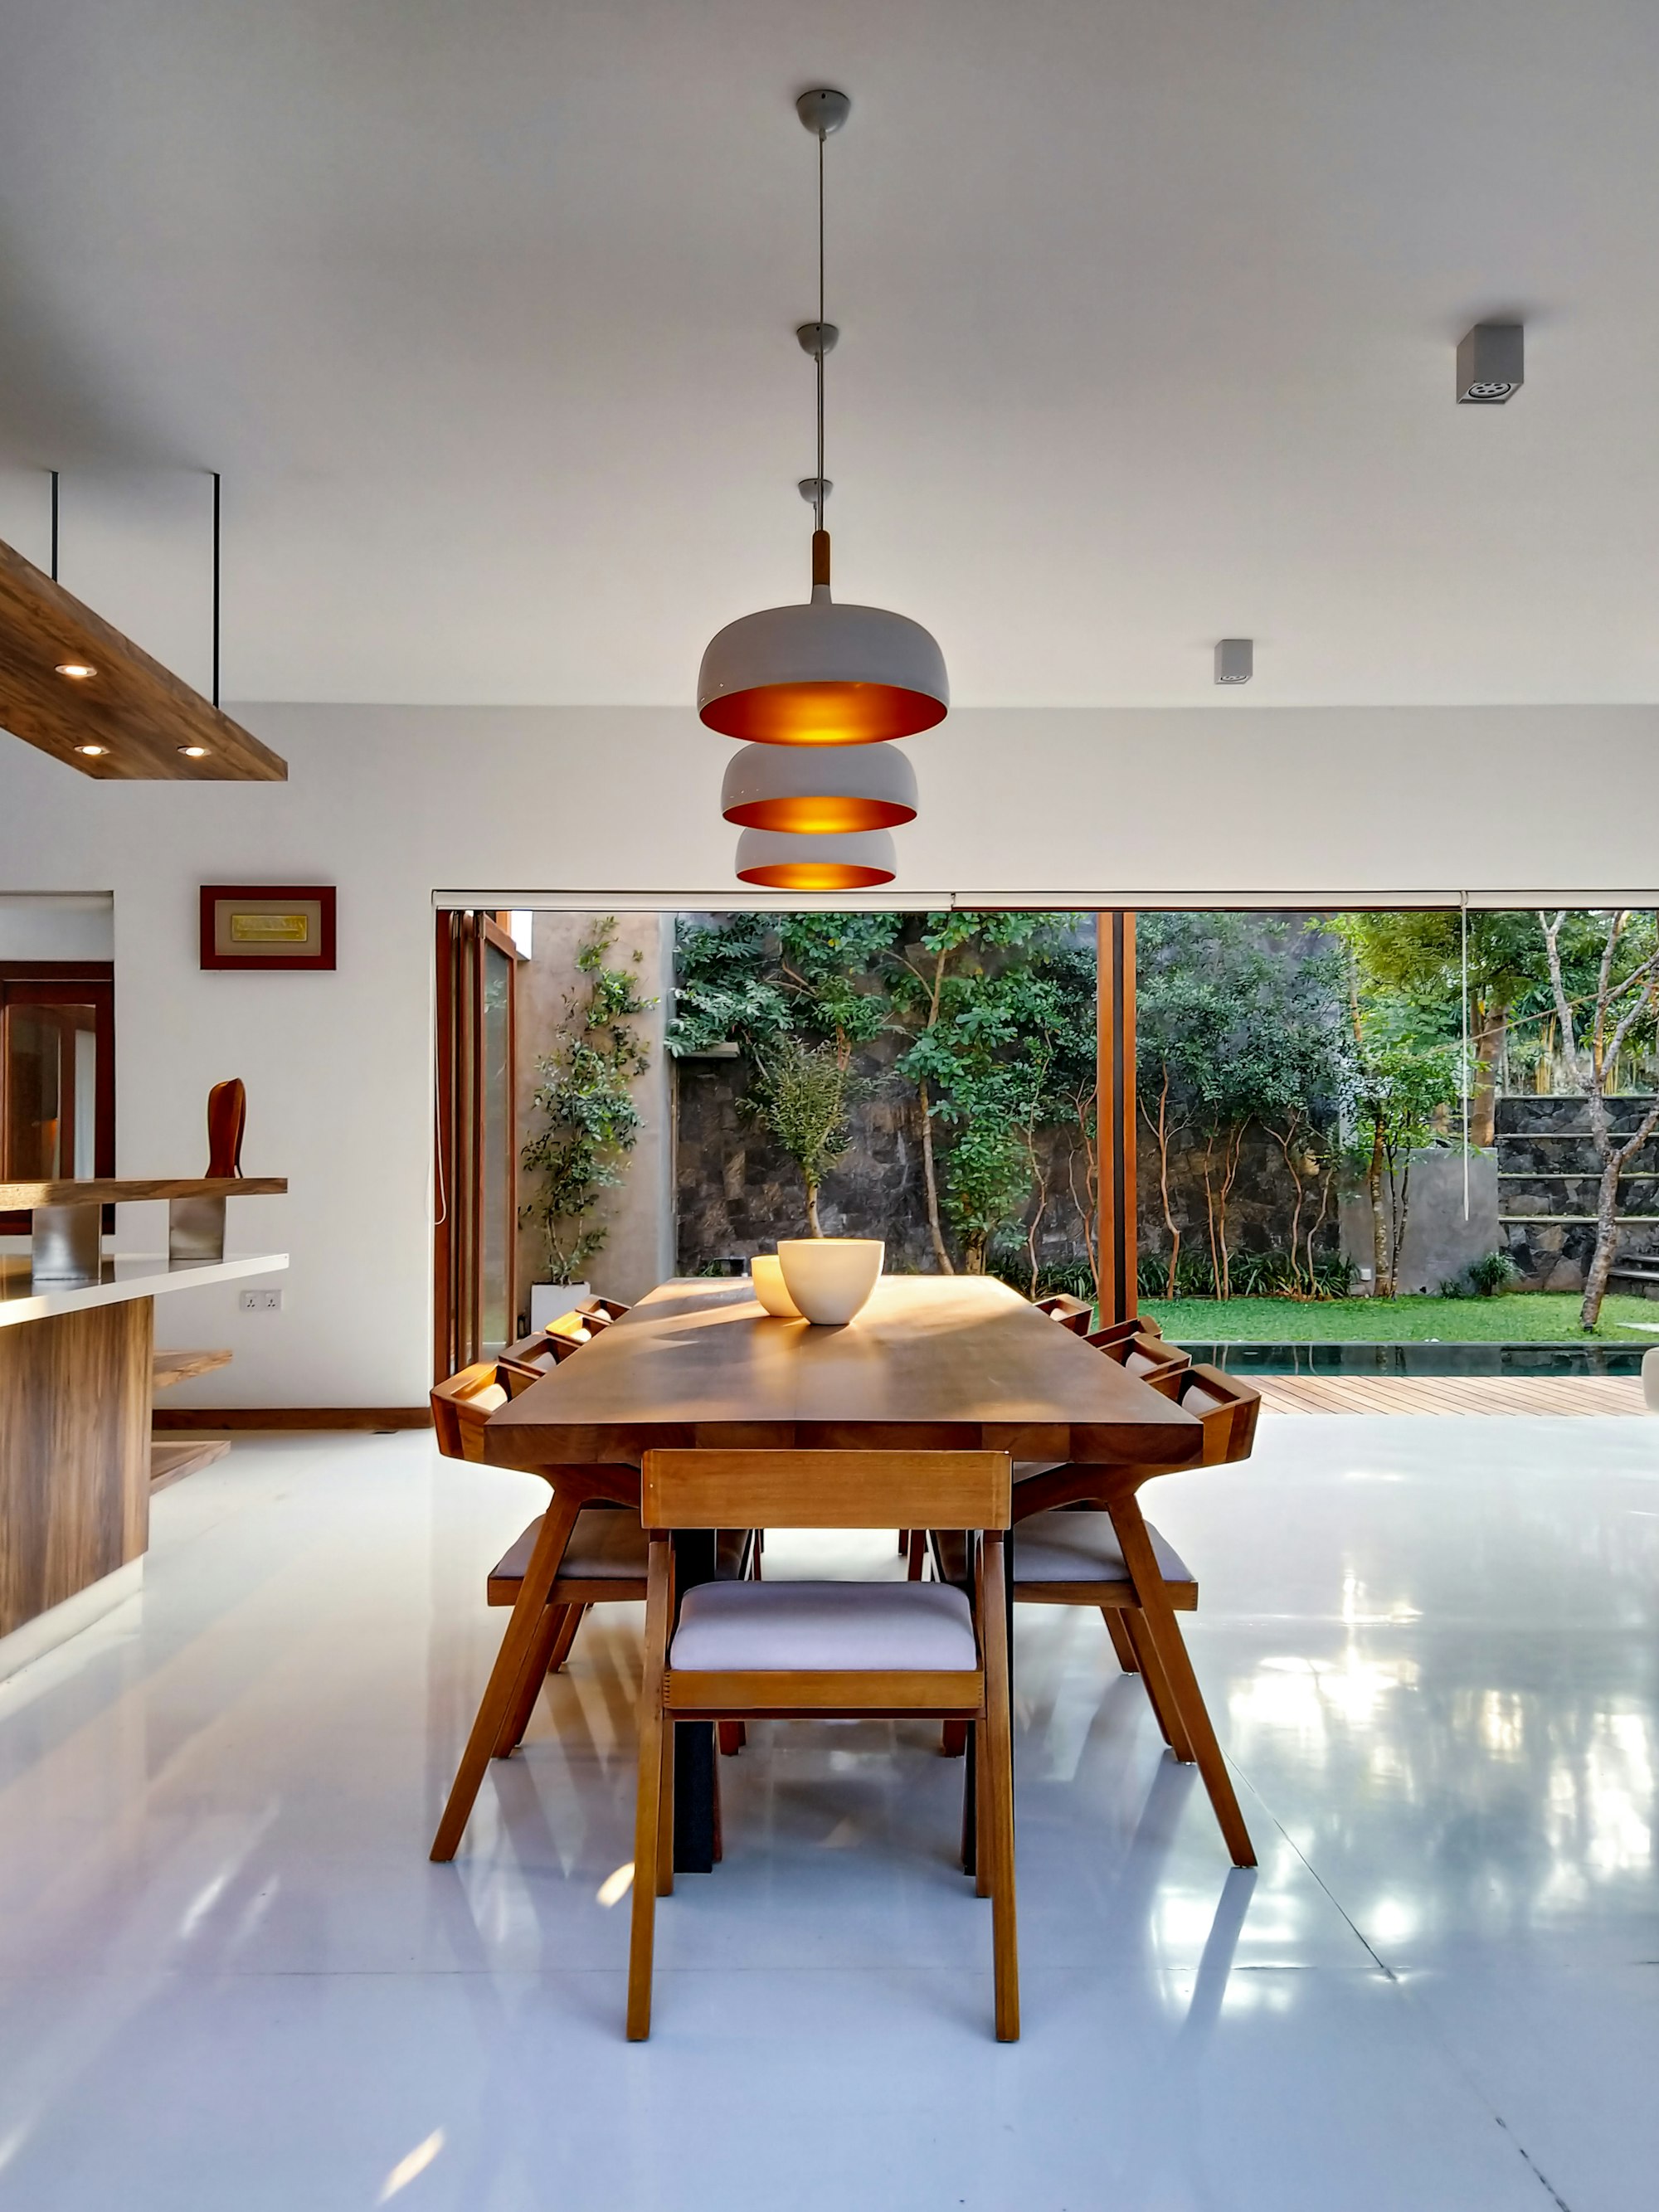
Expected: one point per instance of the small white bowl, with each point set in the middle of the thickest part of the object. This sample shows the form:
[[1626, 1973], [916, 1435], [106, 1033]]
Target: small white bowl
[[766, 1280], [830, 1278]]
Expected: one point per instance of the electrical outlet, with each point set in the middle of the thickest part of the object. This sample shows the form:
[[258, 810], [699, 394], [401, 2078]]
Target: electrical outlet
[[261, 1301]]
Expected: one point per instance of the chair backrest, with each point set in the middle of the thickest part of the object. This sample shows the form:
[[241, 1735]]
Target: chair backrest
[[226, 1116], [718, 1489], [599, 1313], [1226, 1407], [463, 1403], [1114, 1331], [1151, 1360], [537, 1354], [1074, 1314]]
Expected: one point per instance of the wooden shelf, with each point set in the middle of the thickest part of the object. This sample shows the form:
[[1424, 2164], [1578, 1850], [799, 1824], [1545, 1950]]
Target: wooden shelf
[[172, 1462], [116, 1190], [171, 1367], [142, 714]]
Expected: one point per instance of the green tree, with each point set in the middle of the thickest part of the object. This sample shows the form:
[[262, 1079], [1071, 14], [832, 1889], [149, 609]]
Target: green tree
[[801, 1097], [586, 1096], [1621, 1009]]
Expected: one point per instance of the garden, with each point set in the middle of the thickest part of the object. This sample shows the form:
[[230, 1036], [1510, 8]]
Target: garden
[[1304, 1083]]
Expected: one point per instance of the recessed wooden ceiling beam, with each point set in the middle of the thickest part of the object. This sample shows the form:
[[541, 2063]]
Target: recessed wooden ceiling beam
[[142, 714]]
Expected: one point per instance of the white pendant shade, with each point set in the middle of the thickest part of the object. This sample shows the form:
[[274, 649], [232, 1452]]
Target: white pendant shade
[[822, 674], [819, 790], [783, 862]]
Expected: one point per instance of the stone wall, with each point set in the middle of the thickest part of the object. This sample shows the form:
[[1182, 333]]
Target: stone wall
[[1260, 1206], [1546, 1183]]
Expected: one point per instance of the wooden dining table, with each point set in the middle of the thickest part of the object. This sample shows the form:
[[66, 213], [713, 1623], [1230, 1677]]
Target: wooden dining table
[[951, 1362]]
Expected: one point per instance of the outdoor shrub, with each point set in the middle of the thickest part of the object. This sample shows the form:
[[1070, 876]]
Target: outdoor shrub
[[1490, 1276]]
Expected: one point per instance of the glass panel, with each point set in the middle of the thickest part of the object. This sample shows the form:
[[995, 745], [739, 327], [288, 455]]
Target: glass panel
[[51, 1090], [499, 1191]]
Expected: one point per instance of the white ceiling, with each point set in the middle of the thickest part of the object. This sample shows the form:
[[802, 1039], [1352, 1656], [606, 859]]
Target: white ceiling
[[484, 307]]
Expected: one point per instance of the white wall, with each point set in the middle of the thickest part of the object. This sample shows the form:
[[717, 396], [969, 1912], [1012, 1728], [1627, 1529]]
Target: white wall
[[393, 803], [69, 925]]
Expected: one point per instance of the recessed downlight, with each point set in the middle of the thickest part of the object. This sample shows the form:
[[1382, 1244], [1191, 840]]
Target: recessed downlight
[[77, 671], [194, 752], [92, 752]]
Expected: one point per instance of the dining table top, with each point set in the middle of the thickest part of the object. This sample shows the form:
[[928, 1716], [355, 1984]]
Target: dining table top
[[944, 1362]]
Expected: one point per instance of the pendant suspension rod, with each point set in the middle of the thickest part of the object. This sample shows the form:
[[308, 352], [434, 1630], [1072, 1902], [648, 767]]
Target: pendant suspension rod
[[215, 587], [54, 526], [818, 503]]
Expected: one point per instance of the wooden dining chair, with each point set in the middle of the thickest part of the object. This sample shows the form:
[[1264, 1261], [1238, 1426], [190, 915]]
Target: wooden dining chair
[[1113, 1332], [1074, 1314], [599, 1313], [804, 1650], [1080, 1539], [604, 1560], [1150, 1359]]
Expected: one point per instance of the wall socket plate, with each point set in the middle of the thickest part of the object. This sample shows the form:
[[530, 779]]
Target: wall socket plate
[[260, 1302]]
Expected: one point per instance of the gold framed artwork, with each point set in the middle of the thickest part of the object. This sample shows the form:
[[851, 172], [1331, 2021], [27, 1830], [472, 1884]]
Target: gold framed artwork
[[267, 926]]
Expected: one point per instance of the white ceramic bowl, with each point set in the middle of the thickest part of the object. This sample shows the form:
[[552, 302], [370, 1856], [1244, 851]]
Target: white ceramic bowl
[[766, 1280], [830, 1278]]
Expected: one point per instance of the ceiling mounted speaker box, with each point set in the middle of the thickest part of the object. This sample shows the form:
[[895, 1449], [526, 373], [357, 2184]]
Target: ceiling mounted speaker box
[[1235, 659], [1490, 364]]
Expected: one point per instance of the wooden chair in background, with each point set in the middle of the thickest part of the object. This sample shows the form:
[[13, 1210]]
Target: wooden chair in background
[[1074, 1314], [1080, 1539], [749, 1650], [227, 1118], [1149, 1359]]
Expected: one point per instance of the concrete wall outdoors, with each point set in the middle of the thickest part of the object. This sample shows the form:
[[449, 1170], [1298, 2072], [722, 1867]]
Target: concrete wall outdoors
[[1439, 1243], [394, 804], [639, 1251]]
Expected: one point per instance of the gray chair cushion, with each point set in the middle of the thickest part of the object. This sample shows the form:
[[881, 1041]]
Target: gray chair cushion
[[747, 1628], [604, 1546], [1081, 1547], [1198, 1399]]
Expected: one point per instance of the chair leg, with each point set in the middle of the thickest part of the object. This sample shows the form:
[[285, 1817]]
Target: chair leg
[[983, 1848], [575, 1615], [1165, 1710], [537, 1666], [1112, 1615], [917, 1554], [523, 1625], [1165, 1639], [665, 1815], [648, 1813], [730, 1737], [955, 1739], [999, 1785]]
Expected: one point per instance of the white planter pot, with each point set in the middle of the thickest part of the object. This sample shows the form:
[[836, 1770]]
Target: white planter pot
[[552, 1301], [830, 1278]]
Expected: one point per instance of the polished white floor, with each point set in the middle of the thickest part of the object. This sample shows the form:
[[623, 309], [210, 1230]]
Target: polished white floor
[[229, 1977]]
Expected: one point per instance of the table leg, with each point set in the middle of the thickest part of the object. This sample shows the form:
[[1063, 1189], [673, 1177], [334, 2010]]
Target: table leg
[[694, 1741]]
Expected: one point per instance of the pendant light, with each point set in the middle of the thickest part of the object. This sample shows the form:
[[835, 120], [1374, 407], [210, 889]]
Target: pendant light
[[819, 790], [825, 673], [782, 861]]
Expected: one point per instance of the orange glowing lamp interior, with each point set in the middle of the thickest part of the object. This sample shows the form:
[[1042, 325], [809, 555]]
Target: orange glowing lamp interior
[[829, 814], [823, 714], [815, 876]]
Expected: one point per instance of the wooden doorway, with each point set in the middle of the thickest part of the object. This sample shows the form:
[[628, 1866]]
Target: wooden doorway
[[476, 1129]]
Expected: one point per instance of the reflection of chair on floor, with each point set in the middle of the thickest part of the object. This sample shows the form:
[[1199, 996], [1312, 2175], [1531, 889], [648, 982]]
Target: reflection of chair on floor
[[825, 1649], [1080, 1539]]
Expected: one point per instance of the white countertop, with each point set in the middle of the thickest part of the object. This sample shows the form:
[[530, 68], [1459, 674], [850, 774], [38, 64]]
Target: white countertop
[[140, 1276]]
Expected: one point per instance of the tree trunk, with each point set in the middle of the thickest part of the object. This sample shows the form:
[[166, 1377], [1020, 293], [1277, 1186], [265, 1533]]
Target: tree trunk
[[1489, 1043], [1607, 1242], [813, 1226], [930, 1183], [1379, 1222], [1400, 1195], [1160, 1130]]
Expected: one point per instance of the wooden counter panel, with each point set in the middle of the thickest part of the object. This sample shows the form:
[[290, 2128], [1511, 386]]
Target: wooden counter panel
[[74, 1453], [121, 1190]]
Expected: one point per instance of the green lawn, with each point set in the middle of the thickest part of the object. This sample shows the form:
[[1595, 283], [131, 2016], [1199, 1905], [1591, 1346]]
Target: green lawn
[[1520, 1316]]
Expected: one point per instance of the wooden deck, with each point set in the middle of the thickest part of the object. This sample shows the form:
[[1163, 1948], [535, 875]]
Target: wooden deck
[[1555, 1395]]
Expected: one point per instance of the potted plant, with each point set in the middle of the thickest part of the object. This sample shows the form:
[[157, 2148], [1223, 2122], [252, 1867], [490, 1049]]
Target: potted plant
[[801, 1098], [590, 1120]]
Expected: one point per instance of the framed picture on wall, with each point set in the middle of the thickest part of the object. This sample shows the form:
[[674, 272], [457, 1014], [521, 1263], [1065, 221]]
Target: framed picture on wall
[[267, 926]]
